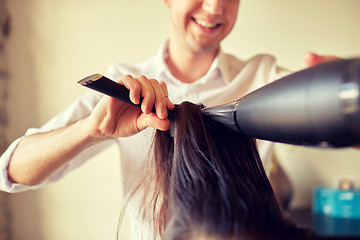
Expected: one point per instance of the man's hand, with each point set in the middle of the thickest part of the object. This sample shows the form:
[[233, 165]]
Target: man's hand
[[112, 118], [311, 59], [40, 155]]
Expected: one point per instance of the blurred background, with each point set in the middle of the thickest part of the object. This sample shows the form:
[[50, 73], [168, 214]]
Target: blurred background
[[53, 44]]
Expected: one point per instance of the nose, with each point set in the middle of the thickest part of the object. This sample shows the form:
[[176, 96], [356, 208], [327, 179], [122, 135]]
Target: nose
[[213, 6]]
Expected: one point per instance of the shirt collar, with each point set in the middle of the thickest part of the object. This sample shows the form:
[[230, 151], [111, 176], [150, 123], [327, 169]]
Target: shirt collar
[[220, 64], [223, 66]]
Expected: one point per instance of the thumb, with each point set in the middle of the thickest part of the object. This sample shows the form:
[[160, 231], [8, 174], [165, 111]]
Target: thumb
[[153, 121]]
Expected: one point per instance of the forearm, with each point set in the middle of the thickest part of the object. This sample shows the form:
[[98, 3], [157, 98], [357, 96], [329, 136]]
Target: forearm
[[38, 156]]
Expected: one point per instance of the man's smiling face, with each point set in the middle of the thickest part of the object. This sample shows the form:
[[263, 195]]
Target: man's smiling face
[[201, 24]]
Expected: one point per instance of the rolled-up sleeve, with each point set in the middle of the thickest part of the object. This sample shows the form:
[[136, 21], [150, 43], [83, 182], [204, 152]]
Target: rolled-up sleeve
[[81, 107]]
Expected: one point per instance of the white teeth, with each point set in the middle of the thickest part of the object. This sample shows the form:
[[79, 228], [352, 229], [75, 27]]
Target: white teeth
[[205, 24]]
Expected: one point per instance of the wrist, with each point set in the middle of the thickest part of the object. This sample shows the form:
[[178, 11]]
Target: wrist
[[91, 135]]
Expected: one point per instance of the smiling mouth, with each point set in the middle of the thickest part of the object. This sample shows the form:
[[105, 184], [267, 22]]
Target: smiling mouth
[[205, 24]]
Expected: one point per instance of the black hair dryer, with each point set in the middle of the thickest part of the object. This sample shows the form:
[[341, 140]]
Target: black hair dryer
[[318, 106]]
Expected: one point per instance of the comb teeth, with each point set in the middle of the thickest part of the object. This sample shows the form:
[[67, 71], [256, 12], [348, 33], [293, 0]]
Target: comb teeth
[[172, 129], [172, 123]]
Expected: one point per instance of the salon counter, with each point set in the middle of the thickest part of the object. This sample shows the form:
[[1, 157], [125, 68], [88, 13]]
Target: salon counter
[[327, 227]]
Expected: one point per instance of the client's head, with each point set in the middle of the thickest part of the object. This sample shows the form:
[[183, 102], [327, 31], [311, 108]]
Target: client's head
[[208, 182]]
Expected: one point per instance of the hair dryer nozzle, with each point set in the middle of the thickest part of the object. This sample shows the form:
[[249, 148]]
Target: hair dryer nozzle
[[224, 114]]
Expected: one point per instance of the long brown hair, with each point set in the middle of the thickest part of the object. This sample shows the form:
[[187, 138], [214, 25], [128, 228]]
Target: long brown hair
[[209, 181]]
